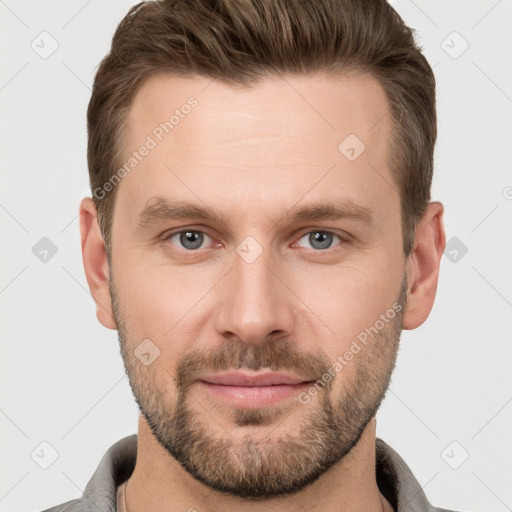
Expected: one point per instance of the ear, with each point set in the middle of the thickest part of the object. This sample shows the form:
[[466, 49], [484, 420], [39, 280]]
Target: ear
[[95, 262], [423, 266]]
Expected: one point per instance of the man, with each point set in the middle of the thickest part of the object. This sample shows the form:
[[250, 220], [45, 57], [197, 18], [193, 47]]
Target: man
[[259, 233]]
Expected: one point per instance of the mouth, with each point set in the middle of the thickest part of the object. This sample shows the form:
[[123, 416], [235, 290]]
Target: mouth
[[253, 390]]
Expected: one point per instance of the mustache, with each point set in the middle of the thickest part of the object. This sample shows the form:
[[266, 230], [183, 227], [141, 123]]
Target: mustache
[[278, 355]]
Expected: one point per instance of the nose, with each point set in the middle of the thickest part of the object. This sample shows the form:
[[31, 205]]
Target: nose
[[255, 303]]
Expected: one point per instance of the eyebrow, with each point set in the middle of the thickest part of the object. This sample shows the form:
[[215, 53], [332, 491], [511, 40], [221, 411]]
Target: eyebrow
[[161, 210]]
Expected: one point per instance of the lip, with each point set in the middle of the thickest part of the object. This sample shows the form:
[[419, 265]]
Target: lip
[[236, 378], [253, 391]]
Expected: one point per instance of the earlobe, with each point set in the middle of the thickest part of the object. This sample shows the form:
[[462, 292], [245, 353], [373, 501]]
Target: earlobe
[[423, 266], [95, 262]]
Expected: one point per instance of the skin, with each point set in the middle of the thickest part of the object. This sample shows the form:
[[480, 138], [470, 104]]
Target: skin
[[252, 154]]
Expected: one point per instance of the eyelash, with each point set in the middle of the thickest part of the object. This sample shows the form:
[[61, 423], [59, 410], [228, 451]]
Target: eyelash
[[343, 240]]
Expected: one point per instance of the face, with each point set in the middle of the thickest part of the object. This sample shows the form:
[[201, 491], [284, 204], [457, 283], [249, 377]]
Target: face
[[246, 239]]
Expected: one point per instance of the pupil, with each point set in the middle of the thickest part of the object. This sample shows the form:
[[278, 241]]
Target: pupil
[[320, 239], [191, 239]]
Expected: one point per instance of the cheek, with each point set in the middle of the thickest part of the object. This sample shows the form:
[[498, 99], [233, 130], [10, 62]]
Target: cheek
[[347, 298], [162, 302]]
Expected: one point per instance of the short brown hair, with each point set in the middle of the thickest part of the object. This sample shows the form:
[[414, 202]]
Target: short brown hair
[[244, 41]]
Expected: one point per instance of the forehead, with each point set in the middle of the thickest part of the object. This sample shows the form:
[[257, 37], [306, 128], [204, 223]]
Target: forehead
[[272, 143], [312, 106]]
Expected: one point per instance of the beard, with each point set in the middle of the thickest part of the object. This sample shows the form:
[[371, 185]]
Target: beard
[[265, 461]]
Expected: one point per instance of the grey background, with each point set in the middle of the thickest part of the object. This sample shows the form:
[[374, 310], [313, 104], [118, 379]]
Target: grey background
[[62, 379]]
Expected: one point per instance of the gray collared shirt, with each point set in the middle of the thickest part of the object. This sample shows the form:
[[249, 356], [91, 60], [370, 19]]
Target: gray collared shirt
[[394, 478]]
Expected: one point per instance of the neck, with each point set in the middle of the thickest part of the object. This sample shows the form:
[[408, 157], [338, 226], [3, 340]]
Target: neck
[[159, 483]]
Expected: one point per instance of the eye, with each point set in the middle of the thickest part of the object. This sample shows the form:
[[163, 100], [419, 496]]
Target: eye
[[189, 239], [321, 240]]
